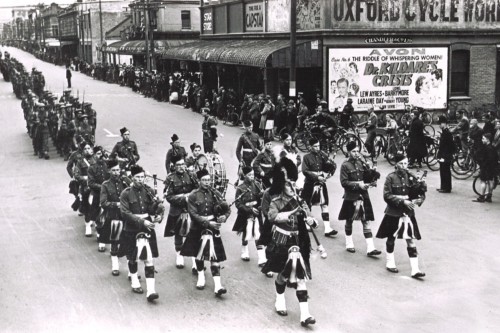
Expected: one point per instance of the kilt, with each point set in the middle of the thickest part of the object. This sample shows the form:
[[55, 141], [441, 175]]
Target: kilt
[[307, 193], [266, 233], [128, 245], [347, 210], [390, 225], [172, 227], [277, 256], [94, 206], [104, 232], [240, 225], [193, 242]]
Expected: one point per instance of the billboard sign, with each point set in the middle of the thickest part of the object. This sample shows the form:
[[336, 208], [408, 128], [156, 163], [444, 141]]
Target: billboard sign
[[388, 77], [254, 17]]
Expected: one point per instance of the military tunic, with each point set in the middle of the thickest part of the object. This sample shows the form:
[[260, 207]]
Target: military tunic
[[251, 197], [201, 208], [351, 173], [397, 186], [128, 150], [136, 201], [313, 165], [178, 186], [209, 133], [248, 148], [109, 201], [264, 163]]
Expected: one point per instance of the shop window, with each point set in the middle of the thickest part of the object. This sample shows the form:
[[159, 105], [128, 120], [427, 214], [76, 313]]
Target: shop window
[[55, 31], [460, 73], [186, 19]]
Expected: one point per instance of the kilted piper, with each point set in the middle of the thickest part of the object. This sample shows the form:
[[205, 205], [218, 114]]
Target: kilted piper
[[403, 191], [208, 211], [289, 249], [111, 229], [249, 220], [178, 185], [317, 167], [354, 174], [140, 210]]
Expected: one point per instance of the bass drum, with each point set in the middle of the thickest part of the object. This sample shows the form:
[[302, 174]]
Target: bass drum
[[215, 166]]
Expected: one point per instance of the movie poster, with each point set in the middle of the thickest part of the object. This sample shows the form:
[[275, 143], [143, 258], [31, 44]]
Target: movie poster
[[388, 78]]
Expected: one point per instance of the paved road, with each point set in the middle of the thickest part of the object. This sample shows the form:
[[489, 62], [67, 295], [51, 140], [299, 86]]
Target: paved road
[[54, 280]]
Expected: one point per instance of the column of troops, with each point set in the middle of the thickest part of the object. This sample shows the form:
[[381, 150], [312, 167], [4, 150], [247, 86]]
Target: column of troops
[[274, 198]]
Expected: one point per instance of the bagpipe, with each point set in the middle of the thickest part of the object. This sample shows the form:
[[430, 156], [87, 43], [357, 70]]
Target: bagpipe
[[156, 207], [329, 164], [370, 173], [417, 186]]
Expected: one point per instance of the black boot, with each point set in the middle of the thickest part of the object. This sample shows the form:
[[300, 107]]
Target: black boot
[[480, 198], [488, 197]]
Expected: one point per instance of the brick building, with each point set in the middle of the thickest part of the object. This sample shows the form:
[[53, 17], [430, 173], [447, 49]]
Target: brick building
[[386, 53]]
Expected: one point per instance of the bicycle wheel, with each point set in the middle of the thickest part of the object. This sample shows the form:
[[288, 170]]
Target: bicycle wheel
[[302, 141], [429, 129], [431, 159], [427, 118], [380, 145], [345, 139], [463, 170], [476, 185], [354, 119]]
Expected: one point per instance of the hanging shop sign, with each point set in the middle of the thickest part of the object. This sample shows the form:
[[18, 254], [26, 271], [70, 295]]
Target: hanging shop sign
[[388, 78]]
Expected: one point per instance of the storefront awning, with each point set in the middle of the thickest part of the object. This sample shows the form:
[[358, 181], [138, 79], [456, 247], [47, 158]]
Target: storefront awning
[[254, 53], [139, 46], [52, 43]]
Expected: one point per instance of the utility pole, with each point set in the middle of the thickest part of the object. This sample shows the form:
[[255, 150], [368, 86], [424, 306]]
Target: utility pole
[[146, 24], [102, 40], [293, 32]]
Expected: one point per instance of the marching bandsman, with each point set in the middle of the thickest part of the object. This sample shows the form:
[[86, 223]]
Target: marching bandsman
[[249, 220], [317, 168], [109, 200], [80, 173], [209, 128], [264, 163], [289, 251], [208, 212], [140, 210], [357, 204], [125, 151], [178, 186], [248, 147], [98, 173], [403, 192], [176, 150]]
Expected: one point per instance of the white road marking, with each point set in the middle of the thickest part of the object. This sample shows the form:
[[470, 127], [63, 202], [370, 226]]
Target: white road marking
[[109, 134]]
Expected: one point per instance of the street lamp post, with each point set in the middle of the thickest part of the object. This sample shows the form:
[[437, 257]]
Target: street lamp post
[[293, 31]]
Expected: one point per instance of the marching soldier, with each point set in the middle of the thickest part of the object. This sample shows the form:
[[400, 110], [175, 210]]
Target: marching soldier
[[248, 146], [109, 200], [264, 163], [209, 127], [208, 211], [140, 210], [98, 173], [289, 251], [85, 130], [80, 173], [176, 150], [357, 204], [403, 192], [317, 168], [249, 220], [125, 151], [178, 186]]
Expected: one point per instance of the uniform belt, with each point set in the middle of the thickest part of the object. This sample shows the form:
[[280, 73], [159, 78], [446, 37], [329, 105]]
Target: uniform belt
[[142, 216], [285, 232], [210, 217], [264, 165], [247, 150]]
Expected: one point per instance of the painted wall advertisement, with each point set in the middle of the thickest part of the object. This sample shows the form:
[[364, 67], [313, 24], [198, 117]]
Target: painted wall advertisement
[[388, 78], [419, 14], [254, 17], [308, 15]]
